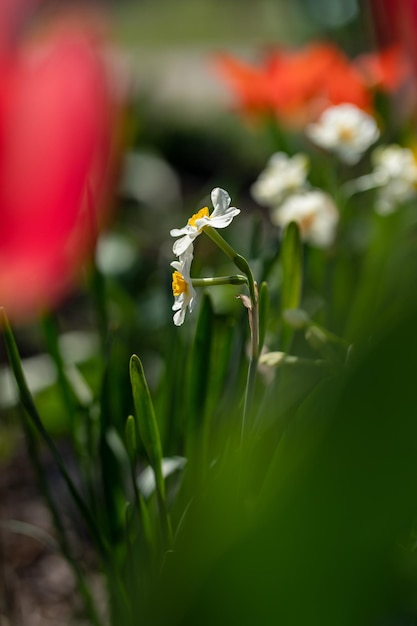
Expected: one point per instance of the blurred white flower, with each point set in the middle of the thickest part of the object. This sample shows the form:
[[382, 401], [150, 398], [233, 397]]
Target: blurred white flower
[[282, 175], [297, 318], [314, 212], [345, 130], [221, 217], [395, 172], [182, 287]]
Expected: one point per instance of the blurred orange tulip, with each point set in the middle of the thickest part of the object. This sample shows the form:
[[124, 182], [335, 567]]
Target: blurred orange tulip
[[58, 116], [297, 85], [305, 82]]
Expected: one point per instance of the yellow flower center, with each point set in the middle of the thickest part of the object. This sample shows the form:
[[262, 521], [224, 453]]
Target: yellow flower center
[[179, 284], [346, 134], [204, 212], [306, 222]]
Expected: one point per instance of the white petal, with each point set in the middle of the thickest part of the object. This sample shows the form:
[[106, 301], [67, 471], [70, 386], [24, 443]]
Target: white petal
[[221, 221], [177, 232], [220, 200], [182, 244], [179, 317], [178, 302]]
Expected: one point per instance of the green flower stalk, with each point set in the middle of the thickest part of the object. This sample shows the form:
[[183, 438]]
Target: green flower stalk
[[219, 280], [183, 285], [251, 304]]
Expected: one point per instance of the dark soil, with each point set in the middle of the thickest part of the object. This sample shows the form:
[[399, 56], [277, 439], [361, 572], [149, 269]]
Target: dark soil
[[37, 586]]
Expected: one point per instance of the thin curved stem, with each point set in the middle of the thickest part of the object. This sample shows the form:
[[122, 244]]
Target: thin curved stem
[[242, 264]]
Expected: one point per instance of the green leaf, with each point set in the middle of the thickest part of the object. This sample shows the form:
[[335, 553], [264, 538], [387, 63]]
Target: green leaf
[[147, 427], [130, 437], [148, 433]]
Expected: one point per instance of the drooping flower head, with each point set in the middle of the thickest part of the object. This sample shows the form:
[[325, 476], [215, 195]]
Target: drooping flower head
[[221, 217], [57, 129], [315, 213], [182, 287], [344, 130]]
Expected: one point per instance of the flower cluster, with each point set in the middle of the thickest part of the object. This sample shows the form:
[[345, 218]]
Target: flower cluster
[[347, 132], [183, 248], [283, 187]]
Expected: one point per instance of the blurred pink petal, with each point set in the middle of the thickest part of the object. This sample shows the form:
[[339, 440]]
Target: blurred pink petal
[[57, 122]]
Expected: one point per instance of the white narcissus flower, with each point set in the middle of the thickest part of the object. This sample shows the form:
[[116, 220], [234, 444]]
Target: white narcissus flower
[[282, 175], [182, 287], [395, 172], [315, 214], [345, 130], [220, 218]]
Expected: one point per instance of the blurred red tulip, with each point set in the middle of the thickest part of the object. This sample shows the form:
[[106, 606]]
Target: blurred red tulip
[[57, 121], [396, 24]]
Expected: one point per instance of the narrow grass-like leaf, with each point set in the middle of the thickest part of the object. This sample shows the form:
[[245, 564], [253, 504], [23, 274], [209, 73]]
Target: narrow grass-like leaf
[[130, 437], [291, 263], [147, 427], [148, 432], [147, 536], [110, 468], [264, 302], [291, 260], [31, 410], [32, 425], [70, 401]]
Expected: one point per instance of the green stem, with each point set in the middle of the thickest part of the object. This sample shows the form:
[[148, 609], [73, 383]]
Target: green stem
[[242, 264], [219, 280], [240, 261], [71, 403], [98, 291], [339, 341], [249, 393]]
